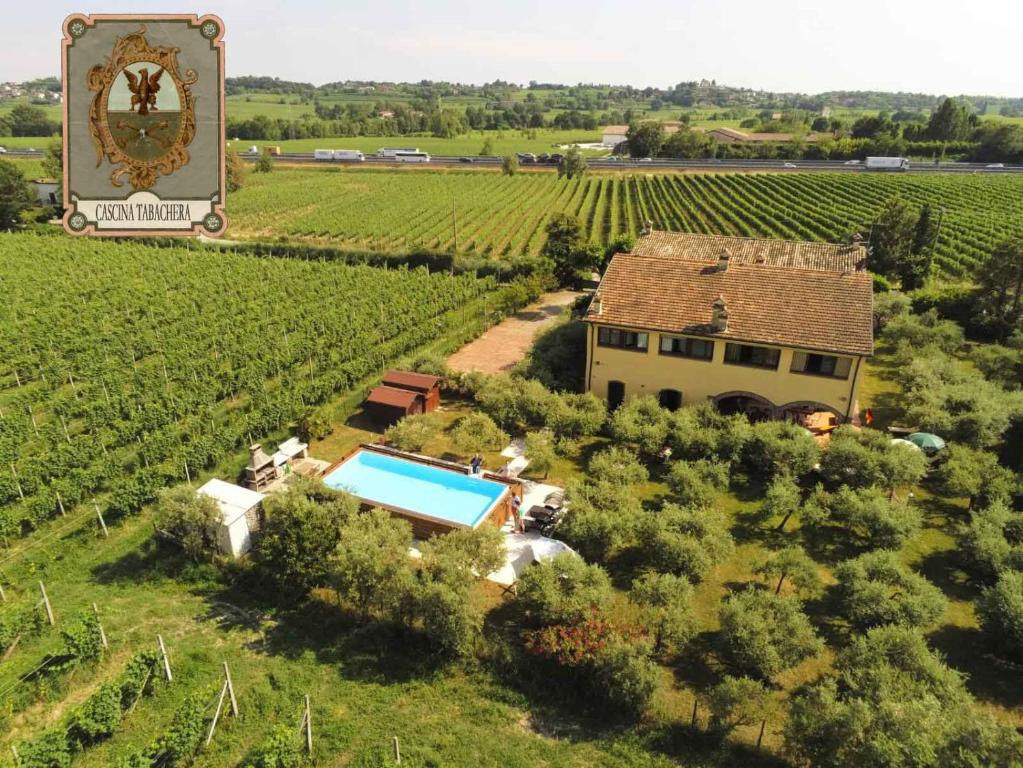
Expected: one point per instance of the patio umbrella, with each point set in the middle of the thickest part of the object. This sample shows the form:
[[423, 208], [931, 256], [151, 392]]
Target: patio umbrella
[[900, 441], [927, 441]]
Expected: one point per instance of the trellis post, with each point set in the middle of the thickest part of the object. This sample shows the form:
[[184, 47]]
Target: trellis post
[[165, 658], [397, 751], [46, 603], [102, 634], [102, 523]]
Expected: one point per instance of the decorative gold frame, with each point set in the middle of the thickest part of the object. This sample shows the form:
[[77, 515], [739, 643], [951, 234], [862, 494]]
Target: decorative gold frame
[[128, 50]]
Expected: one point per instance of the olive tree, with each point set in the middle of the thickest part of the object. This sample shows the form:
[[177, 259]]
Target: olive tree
[[696, 483], [791, 564], [413, 432], [540, 451], [666, 603], [782, 499], [866, 513], [763, 634], [877, 588], [684, 541], [477, 432], [975, 474], [564, 590], [779, 447], [618, 466], [866, 457], [891, 702], [702, 432], [641, 422], [370, 566], [1000, 609], [992, 542], [600, 517], [737, 702]]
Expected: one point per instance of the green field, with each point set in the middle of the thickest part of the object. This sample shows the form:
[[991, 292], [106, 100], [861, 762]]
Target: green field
[[503, 217]]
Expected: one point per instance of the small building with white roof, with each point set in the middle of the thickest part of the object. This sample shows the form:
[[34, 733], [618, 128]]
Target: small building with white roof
[[241, 515]]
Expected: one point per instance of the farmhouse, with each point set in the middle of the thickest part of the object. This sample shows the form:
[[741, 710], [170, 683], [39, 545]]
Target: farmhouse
[[772, 328]]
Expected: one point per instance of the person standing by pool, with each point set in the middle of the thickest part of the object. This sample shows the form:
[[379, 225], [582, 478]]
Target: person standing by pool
[[516, 505], [475, 464]]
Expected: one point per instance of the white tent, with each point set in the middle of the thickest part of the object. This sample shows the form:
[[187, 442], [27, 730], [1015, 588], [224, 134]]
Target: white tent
[[239, 509]]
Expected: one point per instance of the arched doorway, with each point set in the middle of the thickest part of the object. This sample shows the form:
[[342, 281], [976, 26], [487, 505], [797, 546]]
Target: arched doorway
[[819, 418], [615, 394], [670, 399], [755, 407]]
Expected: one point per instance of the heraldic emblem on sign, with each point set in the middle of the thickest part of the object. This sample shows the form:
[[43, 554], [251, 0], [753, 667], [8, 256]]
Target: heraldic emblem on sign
[[143, 115], [144, 144]]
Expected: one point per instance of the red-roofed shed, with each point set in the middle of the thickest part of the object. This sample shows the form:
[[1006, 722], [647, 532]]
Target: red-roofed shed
[[426, 385], [388, 404]]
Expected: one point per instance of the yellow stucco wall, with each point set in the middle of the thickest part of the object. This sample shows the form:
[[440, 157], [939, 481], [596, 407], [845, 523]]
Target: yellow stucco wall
[[647, 373]]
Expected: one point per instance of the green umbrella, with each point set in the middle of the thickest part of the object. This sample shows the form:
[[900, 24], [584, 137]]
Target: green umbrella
[[927, 441]]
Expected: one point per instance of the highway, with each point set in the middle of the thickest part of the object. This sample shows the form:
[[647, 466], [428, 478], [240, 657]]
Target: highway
[[624, 164]]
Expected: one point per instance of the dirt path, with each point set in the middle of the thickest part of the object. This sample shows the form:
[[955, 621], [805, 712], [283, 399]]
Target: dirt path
[[506, 343]]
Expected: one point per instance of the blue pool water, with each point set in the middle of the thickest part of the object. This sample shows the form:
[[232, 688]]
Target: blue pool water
[[395, 482]]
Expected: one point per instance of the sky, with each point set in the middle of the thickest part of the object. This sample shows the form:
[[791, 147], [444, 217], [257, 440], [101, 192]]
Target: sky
[[930, 46]]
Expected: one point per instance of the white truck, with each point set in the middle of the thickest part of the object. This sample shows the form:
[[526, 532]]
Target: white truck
[[349, 155], [323, 154], [887, 164]]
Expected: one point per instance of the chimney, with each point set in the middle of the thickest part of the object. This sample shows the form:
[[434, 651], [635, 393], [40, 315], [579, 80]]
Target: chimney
[[596, 305], [257, 458], [719, 315], [723, 259], [647, 228]]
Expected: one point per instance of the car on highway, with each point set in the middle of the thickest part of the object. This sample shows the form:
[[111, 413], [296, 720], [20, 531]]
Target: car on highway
[[466, 160], [645, 160], [790, 165], [555, 159], [851, 162], [526, 157], [3, 150], [995, 165], [253, 150], [544, 158]]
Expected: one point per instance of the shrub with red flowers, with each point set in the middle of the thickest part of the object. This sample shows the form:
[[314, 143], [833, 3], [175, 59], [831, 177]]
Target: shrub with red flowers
[[609, 663], [574, 645]]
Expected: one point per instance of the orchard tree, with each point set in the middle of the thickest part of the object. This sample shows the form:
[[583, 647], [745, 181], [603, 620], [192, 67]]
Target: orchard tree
[[370, 566], [703, 432], [684, 541], [477, 432], [866, 513], [411, 433], [236, 171], [264, 163], [776, 447], [975, 474], [891, 237], [642, 422], [540, 451], [993, 541], [782, 499], [576, 415], [861, 458], [763, 635], [1000, 609], [15, 195], [792, 564], [564, 590], [697, 483], [878, 588], [892, 703], [600, 518], [666, 603], [739, 702], [567, 250], [618, 466]]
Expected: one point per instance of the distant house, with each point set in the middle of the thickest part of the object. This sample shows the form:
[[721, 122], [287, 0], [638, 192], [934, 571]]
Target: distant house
[[771, 328], [386, 114], [614, 135], [241, 515], [733, 136]]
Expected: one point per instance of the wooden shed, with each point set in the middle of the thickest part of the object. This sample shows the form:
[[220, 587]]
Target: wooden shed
[[426, 385], [385, 405]]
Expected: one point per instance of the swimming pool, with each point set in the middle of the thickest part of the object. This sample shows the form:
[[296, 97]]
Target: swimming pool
[[401, 485]]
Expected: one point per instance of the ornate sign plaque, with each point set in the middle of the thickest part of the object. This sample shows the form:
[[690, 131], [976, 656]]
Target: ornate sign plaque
[[143, 125]]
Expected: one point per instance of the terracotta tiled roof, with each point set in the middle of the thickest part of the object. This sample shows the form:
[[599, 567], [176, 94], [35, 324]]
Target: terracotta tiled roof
[[762, 137], [687, 246], [619, 130], [399, 398], [785, 306]]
